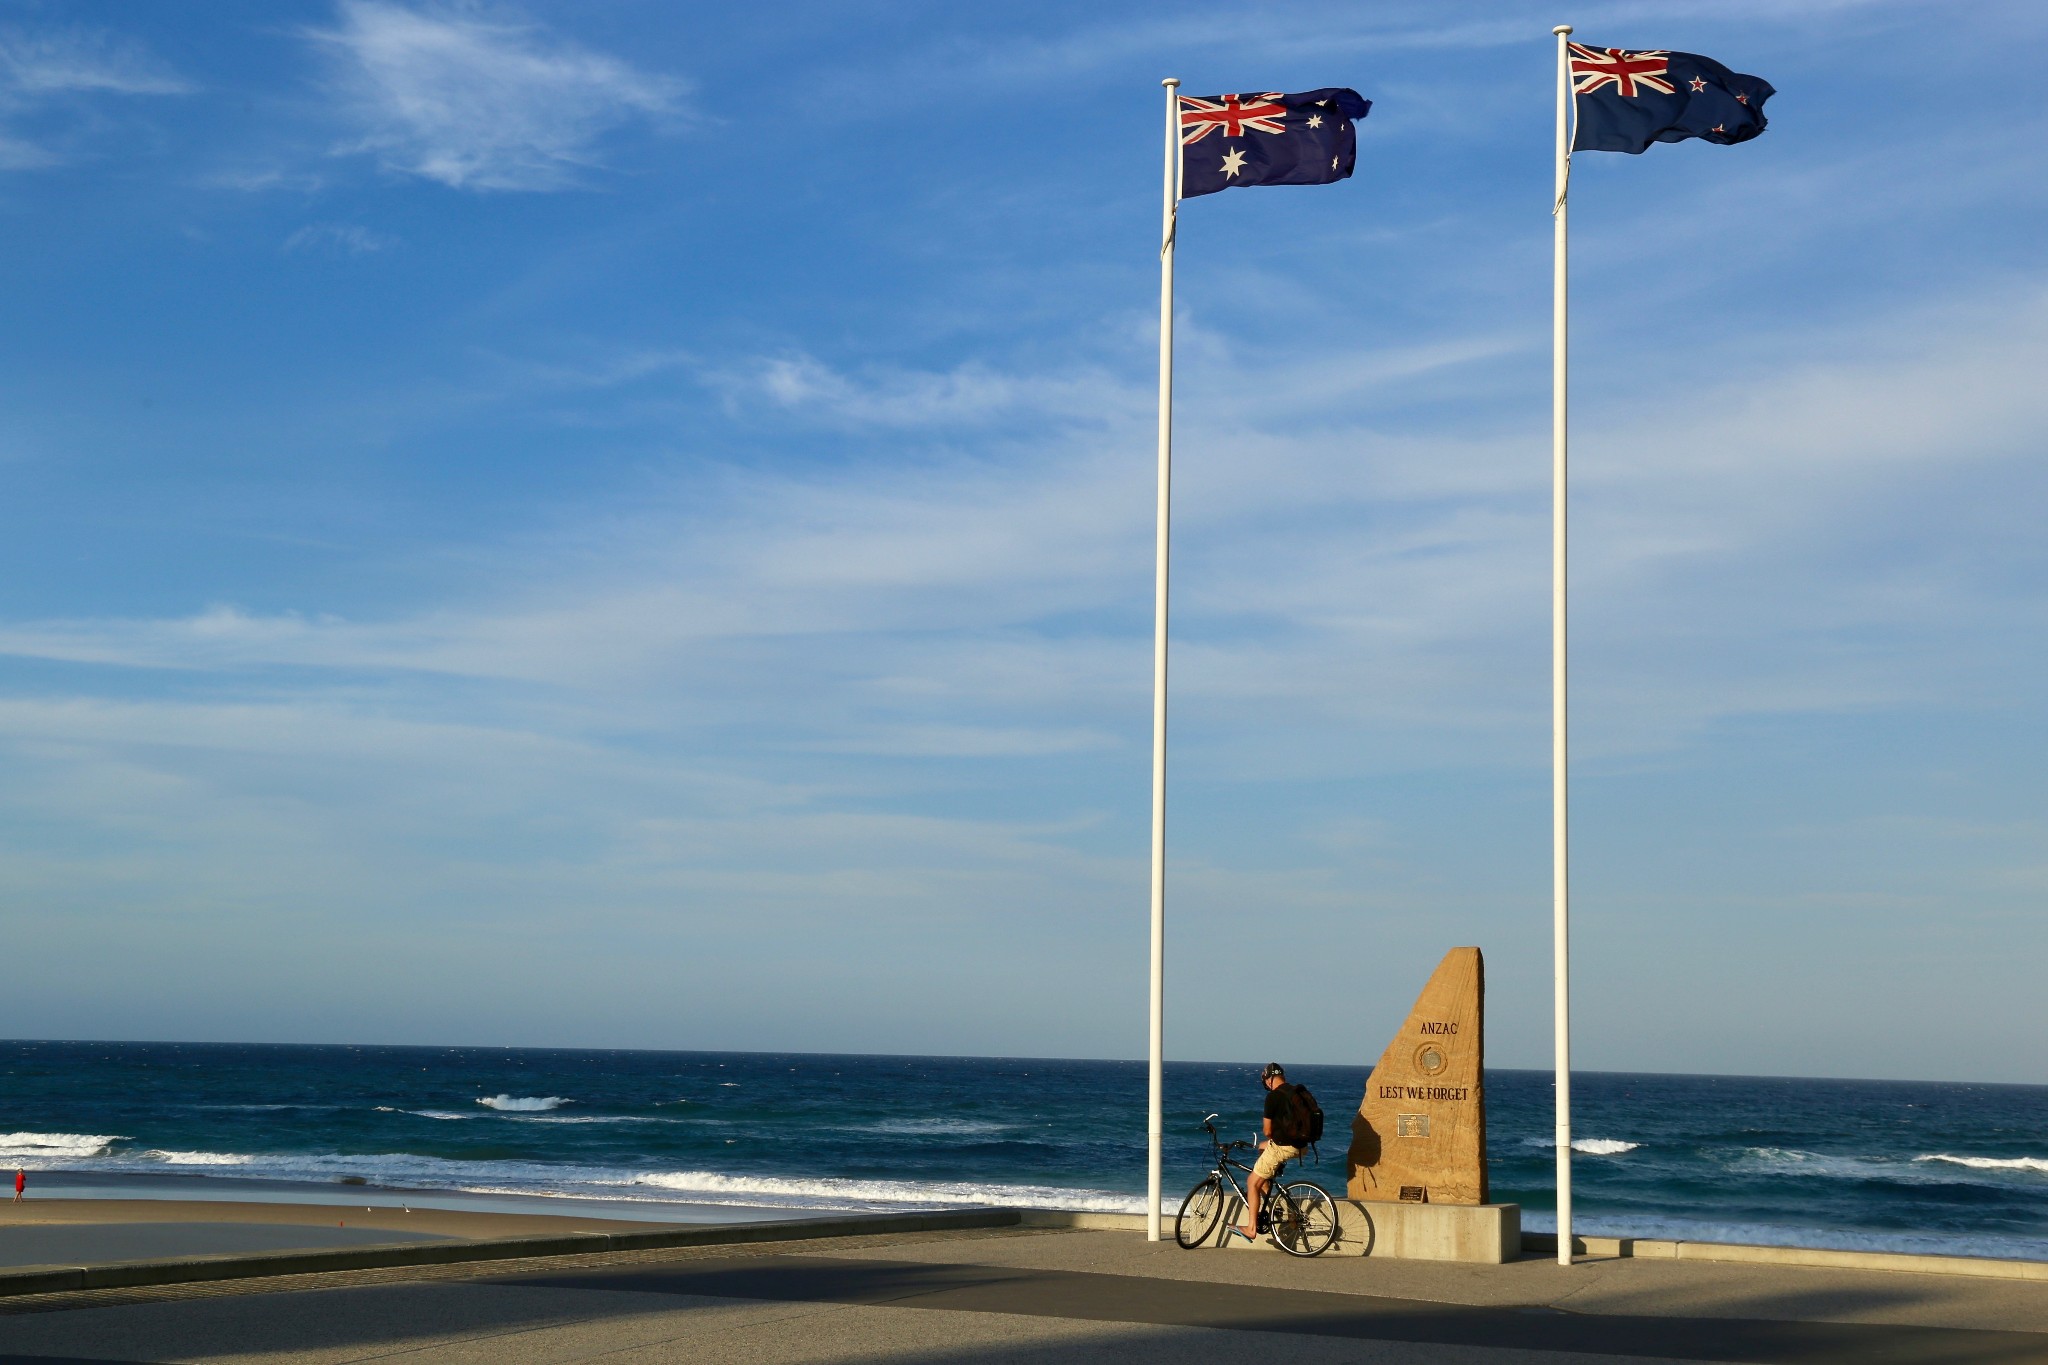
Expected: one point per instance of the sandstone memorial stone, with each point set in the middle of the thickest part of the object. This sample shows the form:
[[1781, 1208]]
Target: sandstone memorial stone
[[1420, 1134]]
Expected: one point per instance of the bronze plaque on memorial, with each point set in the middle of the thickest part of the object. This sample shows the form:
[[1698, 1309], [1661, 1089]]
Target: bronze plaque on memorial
[[1420, 1134]]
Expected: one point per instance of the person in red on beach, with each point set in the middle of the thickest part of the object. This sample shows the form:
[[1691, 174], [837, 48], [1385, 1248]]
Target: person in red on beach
[[20, 1183]]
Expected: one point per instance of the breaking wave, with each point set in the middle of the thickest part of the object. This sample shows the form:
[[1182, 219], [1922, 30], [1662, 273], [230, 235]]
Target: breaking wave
[[1590, 1146], [196, 1158], [34, 1147], [613, 1183], [712, 1187], [1937, 1168], [1603, 1146], [591, 1118], [1992, 1163], [522, 1104]]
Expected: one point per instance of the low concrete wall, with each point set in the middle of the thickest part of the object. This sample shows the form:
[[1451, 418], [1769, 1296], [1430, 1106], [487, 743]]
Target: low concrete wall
[[1103, 1222], [1484, 1234], [1985, 1267]]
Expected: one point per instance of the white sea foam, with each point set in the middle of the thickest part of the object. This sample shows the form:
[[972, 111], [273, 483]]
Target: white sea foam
[[547, 1179], [1791, 1161], [522, 1104], [35, 1147], [1590, 1146], [714, 1187], [1992, 1163], [935, 1127], [590, 1118], [1603, 1146]]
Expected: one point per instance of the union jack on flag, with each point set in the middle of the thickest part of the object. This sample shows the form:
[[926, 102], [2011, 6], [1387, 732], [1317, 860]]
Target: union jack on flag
[[1267, 139], [1231, 115], [1624, 101], [1596, 68]]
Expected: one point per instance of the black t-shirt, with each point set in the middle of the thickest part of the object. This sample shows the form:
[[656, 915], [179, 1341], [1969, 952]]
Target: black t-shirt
[[1280, 1109]]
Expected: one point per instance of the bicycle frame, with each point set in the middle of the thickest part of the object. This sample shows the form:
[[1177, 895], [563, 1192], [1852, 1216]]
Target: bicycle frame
[[1226, 1164], [1302, 1217]]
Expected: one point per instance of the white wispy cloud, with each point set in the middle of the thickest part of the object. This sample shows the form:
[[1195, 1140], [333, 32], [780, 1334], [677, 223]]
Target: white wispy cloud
[[49, 68], [59, 61], [349, 239], [720, 709], [901, 606], [896, 397], [476, 99]]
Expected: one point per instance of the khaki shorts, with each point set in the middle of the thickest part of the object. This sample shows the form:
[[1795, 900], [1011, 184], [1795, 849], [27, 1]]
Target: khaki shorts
[[1273, 1157]]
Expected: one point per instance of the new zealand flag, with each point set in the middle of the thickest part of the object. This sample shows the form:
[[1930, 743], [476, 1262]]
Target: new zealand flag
[[1628, 100], [1304, 139]]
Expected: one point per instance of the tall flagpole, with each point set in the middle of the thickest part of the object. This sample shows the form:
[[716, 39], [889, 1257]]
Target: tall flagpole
[[1559, 772], [1155, 1126]]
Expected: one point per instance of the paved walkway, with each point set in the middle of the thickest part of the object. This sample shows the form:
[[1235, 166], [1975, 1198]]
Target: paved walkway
[[1032, 1297], [97, 1243]]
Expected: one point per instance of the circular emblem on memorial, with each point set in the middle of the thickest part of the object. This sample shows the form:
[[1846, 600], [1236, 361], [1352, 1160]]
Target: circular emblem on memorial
[[1430, 1059]]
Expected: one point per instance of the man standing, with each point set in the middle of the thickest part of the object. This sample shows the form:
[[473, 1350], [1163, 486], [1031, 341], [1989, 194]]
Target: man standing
[[20, 1184], [1280, 1144]]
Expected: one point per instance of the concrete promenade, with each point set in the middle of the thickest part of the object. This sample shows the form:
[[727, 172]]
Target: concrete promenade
[[1041, 1295]]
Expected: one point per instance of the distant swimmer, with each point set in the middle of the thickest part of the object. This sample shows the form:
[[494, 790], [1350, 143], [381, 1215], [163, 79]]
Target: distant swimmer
[[20, 1184]]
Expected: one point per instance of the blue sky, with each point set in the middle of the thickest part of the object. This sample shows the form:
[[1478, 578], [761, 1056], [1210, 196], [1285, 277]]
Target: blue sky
[[629, 524]]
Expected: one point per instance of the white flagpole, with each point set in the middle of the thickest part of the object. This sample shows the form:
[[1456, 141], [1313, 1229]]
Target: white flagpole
[[1156, 1121], [1559, 781]]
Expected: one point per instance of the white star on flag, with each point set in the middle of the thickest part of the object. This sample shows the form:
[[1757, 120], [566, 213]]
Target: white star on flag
[[1233, 163], [1315, 120]]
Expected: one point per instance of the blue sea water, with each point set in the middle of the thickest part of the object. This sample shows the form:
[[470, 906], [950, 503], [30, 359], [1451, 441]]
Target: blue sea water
[[1896, 1165]]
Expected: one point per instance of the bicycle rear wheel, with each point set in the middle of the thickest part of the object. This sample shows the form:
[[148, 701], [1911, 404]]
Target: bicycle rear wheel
[[1198, 1213], [1304, 1219]]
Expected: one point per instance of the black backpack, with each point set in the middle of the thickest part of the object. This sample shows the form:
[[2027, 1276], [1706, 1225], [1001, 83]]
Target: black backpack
[[1306, 1122]]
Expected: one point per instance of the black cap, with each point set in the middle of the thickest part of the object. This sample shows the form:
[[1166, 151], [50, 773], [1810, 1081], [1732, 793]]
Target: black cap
[[1273, 1069]]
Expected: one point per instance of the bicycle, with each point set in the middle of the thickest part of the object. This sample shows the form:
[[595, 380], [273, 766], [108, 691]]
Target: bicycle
[[1301, 1218]]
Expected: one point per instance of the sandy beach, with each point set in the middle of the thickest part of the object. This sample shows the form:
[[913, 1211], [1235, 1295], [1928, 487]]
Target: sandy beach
[[92, 1231]]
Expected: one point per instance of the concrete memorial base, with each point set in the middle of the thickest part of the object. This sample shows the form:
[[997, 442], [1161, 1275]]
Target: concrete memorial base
[[1486, 1234]]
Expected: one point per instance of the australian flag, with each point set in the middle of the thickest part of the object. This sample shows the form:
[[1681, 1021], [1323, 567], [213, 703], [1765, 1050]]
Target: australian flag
[[1304, 139], [1628, 100]]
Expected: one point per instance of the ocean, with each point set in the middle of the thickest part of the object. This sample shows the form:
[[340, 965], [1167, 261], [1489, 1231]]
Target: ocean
[[1888, 1165]]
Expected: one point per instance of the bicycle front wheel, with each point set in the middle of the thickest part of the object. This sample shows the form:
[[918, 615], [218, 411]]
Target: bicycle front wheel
[[1304, 1219], [1198, 1213]]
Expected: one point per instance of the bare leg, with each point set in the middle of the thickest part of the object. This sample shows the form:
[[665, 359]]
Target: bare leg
[[1254, 1197]]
